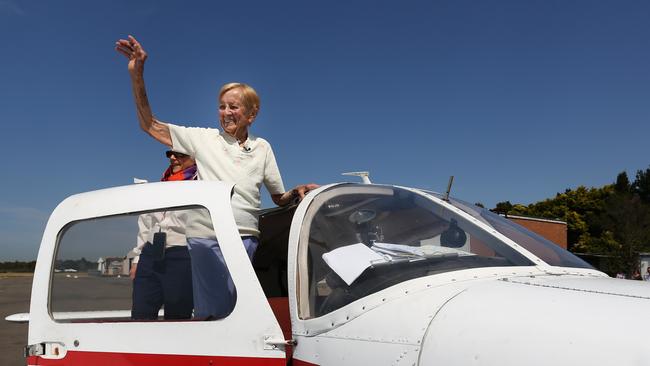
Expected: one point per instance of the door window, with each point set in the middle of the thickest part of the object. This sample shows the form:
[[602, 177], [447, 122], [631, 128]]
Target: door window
[[134, 267]]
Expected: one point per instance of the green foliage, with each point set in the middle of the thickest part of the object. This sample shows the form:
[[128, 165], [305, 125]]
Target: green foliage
[[16, 266], [575, 207], [622, 184], [641, 185], [81, 265], [612, 221], [503, 207]]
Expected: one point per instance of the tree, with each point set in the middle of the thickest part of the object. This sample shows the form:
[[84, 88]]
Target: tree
[[17, 266], [502, 208], [627, 221], [613, 220], [622, 184], [641, 185], [577, 208]]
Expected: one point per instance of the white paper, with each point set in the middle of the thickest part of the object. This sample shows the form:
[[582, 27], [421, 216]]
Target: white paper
[[398, 249], [350, 261]]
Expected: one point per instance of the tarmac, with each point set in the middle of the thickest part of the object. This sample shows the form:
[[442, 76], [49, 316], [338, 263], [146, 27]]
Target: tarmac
[[15, 291], [99, 293]]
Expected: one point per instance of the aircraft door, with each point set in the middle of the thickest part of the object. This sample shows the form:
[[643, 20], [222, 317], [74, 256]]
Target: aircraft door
[[86, 308]]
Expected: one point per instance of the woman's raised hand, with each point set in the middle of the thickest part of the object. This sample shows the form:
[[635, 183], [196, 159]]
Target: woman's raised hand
[[132, 49]]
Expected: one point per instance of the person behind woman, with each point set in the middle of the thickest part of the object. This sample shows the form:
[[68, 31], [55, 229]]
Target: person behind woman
[[162, 276], [231, 155]]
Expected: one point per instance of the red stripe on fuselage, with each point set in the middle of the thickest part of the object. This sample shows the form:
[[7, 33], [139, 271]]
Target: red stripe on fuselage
[[79, 358], [297, 362]]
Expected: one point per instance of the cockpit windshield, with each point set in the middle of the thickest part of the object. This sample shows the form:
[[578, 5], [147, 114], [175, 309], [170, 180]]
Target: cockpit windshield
[[541, 247], [359, 239]]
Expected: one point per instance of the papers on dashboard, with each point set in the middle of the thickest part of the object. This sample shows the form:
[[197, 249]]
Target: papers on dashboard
[[397, 250], [350, 261]]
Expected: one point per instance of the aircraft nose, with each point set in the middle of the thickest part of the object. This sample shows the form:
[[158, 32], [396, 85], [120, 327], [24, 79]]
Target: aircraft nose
[[540, 322]]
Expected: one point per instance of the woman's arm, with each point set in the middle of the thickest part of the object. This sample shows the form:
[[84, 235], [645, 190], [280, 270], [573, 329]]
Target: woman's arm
[[296, 194], [132, 50]]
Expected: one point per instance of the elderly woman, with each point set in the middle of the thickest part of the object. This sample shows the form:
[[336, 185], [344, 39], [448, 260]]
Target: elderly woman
[[231, 155], [165, 281]]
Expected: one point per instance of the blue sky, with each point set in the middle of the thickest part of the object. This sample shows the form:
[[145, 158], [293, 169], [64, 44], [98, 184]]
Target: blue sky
[[517, 99]]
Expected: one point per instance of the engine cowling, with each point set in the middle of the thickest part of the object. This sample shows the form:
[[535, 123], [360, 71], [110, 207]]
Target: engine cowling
[[545, 320]]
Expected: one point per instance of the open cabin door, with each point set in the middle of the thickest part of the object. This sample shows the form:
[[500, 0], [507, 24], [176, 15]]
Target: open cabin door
[[81, 304], [270, 263]]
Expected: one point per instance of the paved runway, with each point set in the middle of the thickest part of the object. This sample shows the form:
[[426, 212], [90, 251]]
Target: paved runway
[[15, 291], [75, 293]]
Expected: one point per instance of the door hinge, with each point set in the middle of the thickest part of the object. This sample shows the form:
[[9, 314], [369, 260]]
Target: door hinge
[[37, 349], [271, 343], [48, 350]]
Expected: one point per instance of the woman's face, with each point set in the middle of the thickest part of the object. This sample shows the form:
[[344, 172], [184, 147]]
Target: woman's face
[[179, 161], [233, 116]]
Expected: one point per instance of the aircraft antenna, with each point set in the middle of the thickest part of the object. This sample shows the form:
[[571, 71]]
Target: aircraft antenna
[[365, 176], [451, 181]]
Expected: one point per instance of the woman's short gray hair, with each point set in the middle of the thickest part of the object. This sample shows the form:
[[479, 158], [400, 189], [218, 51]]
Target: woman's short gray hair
[[250, 99]]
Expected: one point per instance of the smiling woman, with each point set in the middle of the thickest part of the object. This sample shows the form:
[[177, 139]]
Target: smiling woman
[[238, 107], [231, 155]]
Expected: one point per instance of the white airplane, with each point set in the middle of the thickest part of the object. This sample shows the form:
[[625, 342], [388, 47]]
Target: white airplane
[[356, 274]]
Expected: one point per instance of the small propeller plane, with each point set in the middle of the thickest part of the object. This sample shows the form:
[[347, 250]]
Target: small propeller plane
[[355, 274]]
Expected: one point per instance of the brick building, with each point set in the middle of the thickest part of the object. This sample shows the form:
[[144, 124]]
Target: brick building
[[553, 230]]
